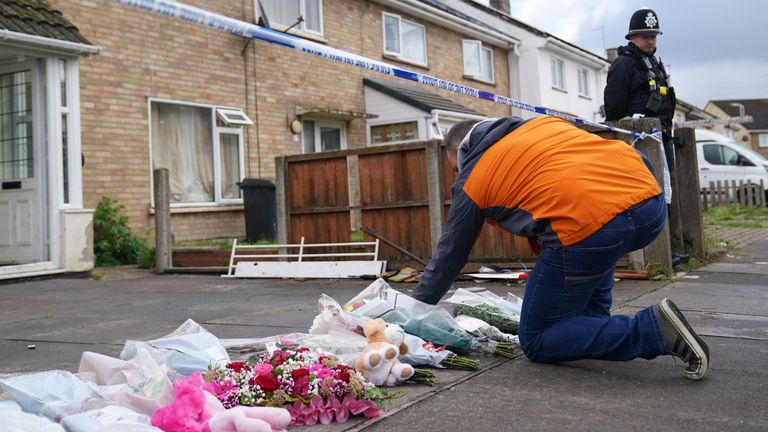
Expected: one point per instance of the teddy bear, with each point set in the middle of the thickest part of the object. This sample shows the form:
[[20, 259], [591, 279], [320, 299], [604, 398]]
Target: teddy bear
[[378, 362], [196, 410]]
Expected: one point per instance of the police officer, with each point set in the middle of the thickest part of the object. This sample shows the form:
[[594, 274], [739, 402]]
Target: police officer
[[638, 84], [637, 81]]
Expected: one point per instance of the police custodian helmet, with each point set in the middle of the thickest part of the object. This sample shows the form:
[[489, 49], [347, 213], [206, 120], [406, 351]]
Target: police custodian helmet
[[644, 22]]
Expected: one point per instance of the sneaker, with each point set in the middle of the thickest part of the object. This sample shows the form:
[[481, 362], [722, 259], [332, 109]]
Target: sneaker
[[681, 340]]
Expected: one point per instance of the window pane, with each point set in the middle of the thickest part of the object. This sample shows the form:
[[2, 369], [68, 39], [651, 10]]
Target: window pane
[[65, 157], [63, 82], [392, 34], [395, 132], [413, 43], [16, 156], [553, 67], [229, 145], [312, 18], [713, 155], [730, 156], [487, 64], [283, 12], [308, 128], [763, 140], [330, 138], [182, 142], [471, 51]]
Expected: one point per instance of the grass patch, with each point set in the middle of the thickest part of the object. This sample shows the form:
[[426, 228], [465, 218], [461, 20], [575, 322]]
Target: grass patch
[[742, 217]]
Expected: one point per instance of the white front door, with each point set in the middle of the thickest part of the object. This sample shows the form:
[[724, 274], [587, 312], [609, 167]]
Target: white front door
[[20, 212]]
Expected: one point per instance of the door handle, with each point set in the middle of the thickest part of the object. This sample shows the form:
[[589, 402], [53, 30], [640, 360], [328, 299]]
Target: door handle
[[704, 169]]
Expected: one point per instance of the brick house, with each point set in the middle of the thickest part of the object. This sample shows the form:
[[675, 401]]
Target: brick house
[[214, 108], [753, 134]]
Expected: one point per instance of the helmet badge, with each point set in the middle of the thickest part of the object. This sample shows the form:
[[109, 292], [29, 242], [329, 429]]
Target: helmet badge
[[650, 20]]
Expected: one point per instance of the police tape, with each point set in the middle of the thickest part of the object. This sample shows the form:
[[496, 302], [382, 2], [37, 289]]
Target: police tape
[[198, 16]]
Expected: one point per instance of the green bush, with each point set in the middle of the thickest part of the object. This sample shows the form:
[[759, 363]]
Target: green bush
[[114, 243]]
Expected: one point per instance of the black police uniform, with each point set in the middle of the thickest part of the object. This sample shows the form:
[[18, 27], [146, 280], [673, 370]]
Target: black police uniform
[[638, 84]]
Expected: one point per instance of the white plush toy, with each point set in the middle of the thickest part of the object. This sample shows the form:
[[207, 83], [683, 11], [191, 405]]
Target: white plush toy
[[378, 362]]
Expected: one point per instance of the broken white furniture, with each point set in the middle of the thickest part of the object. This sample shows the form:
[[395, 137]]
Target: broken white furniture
[[244, 263]]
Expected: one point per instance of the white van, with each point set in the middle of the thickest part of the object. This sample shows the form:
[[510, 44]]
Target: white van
[[722, 158]]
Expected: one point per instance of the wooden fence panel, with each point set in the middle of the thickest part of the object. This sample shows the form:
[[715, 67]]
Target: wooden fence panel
[[317, 184]]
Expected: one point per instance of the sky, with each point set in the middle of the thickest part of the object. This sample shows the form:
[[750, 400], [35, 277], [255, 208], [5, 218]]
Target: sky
[[712, 49]]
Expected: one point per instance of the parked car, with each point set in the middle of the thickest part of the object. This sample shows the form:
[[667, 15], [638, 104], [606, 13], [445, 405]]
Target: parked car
[[723, 159]]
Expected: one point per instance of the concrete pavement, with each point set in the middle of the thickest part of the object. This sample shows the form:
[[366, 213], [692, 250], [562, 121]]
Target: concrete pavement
[[726, 301]]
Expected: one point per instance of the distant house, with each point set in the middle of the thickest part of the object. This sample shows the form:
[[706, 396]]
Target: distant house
[[544, 69], [43, 225], [753, 134]]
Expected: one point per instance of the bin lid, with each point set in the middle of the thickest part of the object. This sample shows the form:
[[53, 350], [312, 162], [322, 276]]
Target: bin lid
[[256, 183]]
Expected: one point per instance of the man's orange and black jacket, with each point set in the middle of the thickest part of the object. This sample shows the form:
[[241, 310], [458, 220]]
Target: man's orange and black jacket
[[542, 178]]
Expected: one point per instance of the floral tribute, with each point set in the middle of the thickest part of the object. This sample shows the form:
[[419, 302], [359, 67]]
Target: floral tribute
[[313, 387]]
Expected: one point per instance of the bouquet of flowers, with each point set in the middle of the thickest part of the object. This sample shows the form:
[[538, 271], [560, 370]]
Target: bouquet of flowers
[[313, 387], [487, 306]]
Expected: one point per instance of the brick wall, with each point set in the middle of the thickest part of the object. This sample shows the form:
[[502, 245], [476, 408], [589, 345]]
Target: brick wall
[[145, 55]]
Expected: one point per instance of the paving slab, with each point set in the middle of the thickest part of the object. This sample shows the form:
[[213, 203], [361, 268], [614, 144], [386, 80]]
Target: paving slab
[[708, 297], [760, 267]]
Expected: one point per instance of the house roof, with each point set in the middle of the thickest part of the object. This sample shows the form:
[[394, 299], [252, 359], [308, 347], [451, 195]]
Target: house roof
[[417, 97], [530, 28], [38, 18], [757, 108]]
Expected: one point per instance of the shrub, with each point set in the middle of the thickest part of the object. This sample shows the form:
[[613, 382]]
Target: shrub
[[114, 243]]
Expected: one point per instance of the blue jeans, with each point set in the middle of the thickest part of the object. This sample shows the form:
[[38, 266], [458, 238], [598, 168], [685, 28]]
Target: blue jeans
[[567, 303]]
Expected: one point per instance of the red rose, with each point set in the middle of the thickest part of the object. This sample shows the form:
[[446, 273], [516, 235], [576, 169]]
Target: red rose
[[238, 366], [342, 373], [268, 383], [299, 373]]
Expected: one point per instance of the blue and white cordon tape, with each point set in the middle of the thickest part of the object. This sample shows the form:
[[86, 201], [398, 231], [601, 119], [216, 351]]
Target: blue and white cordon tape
[[195, 15]]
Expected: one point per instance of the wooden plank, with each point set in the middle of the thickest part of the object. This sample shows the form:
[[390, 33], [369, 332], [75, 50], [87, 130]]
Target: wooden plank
[[309, 269]]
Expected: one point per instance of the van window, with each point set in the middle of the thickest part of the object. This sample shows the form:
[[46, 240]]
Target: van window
[[717, 154]]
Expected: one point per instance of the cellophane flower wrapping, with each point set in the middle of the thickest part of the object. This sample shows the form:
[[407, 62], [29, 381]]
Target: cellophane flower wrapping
[[429, 322], [496, 311], [313, 387]]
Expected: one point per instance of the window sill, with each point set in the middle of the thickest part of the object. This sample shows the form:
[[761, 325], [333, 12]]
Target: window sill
[[585, 97], [203, 208], [406, 61], [480, 80], [311, 36], [561, 90]]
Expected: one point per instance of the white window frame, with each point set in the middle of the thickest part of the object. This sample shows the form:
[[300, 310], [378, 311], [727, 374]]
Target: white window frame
[[229, 116], [215, 130], [486, 75], [395, 121], [399, 54], [582, 75], [324, 122], [762, 140], [556, 62], [301, 28], [219, 130]]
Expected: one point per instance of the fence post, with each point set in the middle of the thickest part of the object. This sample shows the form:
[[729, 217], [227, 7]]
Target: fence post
[[434, 190], [353, 185], [658, 255], [163, 248], [281, 203], [762, 196], [689, 191]]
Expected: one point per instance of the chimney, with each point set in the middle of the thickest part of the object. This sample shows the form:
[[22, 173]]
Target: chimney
[[501, 6], [612, 53]]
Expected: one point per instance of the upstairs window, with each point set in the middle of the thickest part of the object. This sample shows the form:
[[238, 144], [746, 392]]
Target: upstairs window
[[762, 140], [285, 13], [558, 73], [583, 75], [478, 60], [404, 39]]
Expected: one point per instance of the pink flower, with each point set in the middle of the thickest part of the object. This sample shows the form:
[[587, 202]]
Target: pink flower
[[262, 369], [324, 372]]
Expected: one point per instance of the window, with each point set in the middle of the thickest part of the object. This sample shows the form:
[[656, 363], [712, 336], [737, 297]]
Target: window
[[404, 39], [558, 73], [478, 60], [394, 133], [204, 157], [583, 82], [762, 140], [720, 155], [323, 135], [16, 151], [286, 13]]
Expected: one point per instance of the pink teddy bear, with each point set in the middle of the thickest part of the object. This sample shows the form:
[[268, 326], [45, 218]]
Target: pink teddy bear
[[196, 410]]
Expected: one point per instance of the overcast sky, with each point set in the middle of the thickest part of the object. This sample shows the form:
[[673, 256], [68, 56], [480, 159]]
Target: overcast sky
[[712, 49]]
